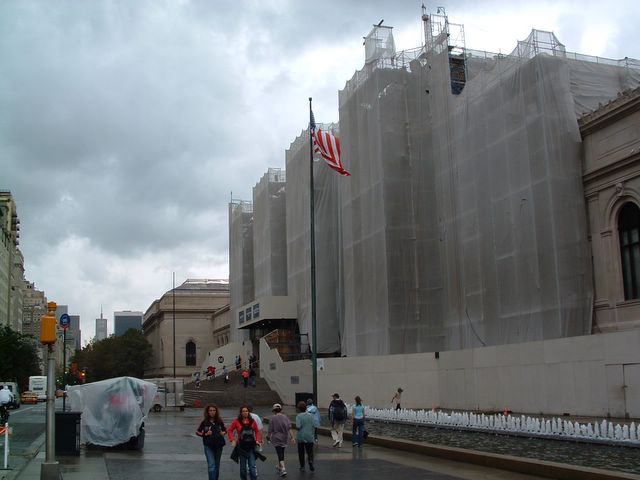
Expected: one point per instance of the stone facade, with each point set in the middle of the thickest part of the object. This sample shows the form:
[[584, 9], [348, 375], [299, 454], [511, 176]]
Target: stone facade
[[221, 327], [611, 175], [199, 323], [11, 264]]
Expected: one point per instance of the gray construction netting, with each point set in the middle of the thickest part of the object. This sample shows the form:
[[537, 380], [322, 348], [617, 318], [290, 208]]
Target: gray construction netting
[[270, 235], [464, 221], [241, 285], [327, 222]]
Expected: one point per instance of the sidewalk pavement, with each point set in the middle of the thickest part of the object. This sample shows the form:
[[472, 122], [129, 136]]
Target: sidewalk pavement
[[172, 450]]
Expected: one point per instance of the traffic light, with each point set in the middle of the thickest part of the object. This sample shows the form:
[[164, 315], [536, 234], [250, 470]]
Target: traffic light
[[48, 325]]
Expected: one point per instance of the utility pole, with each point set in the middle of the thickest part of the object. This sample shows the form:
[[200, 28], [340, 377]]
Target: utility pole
[[312, 232], [173, 296]]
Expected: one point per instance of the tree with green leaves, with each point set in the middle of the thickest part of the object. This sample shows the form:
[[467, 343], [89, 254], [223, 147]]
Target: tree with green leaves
[[115, 356], [18, 357]]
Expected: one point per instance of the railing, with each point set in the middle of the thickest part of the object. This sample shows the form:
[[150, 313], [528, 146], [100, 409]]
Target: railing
[[290, 346]]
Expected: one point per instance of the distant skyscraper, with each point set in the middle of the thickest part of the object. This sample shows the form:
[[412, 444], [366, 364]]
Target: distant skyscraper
[[101, 328], [123, 321], [74, 328]]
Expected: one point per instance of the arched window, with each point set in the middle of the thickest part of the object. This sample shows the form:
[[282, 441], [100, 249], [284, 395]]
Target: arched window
[[629, 232], [191, 353]]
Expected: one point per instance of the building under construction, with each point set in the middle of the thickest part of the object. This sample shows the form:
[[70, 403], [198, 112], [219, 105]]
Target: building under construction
[[464, 221]]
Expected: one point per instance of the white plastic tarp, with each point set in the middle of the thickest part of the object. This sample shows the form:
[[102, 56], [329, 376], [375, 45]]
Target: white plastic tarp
[[112, 410]]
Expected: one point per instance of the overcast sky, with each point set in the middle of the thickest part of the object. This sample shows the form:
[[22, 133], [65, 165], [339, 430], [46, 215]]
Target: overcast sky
[[125, 125]]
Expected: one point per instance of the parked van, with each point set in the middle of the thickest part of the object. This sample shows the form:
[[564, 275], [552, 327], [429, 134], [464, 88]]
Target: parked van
[[13, 387]]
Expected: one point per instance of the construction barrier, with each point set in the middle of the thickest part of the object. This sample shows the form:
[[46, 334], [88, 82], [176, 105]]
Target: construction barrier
[[5, 430]]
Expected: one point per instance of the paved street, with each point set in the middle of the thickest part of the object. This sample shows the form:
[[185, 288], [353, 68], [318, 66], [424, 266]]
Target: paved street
[[27, 426], [173, 451]]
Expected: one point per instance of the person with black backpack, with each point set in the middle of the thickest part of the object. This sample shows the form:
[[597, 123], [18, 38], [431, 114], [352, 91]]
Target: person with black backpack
[[337, 417], [244, 435], [212, 430]]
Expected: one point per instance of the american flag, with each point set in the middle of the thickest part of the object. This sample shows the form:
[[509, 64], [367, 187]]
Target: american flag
[[327, 145]]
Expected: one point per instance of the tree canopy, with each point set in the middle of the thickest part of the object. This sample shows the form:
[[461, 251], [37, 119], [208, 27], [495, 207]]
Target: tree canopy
[[115, 356], [18, 356]]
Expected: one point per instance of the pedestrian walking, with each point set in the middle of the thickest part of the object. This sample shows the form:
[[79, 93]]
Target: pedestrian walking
[[238, 362], [225, 372], [357, 421], [212, 431], [252, 377], [315, 413], [244, 435], [305, 424], [397, 398], [245, 377], [279, 434], [337, 417], [256, 418]]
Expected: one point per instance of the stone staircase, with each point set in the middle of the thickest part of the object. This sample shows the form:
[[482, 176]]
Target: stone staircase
[[232, 394]]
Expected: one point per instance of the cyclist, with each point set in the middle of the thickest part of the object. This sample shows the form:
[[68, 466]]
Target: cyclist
[[6, 397]]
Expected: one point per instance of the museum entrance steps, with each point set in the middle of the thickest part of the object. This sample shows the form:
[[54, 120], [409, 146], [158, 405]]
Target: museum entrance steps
[[232, 394]]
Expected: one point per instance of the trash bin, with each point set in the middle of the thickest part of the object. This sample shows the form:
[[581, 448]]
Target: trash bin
[[68, 433], [302, 397]]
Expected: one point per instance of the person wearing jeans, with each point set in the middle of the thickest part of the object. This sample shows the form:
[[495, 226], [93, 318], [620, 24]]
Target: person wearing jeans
[[212, 431], [305, 436], [245, 442], [357, 416]]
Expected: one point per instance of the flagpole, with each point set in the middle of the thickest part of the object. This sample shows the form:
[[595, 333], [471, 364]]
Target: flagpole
[[314, 342]]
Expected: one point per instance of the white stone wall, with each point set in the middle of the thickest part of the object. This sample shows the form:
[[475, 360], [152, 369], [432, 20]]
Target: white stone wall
[[593, 375], [228, 352]]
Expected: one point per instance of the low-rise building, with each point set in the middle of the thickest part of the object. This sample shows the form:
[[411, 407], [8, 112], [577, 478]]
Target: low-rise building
[[185, 324]]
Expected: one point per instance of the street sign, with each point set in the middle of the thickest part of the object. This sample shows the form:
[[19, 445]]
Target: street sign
[[65, 321]]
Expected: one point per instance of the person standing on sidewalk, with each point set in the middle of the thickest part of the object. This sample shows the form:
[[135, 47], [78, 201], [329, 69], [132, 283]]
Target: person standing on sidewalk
[[305, 435], [248, 437], [212, 430], [279, 435], [357, 420], [337, 417]]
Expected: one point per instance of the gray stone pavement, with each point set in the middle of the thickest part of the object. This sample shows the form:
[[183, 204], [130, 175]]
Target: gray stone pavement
[[172, 451]]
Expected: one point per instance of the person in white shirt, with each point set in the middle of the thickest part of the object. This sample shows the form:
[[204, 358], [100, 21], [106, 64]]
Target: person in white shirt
[[5, 395], [258, 420], [5, 398]]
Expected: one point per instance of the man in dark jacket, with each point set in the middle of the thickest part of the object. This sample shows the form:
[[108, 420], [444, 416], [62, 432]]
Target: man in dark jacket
[[337, 417]]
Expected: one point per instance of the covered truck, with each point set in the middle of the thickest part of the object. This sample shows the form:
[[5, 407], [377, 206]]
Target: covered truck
[[113, 411]]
